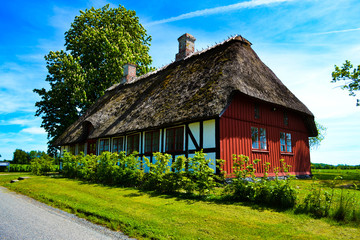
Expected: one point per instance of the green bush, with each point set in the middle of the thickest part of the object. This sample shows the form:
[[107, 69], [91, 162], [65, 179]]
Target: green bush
[[107, 168], [189, 174], [43, 164], [200, 174], [246, 187], [20, 167], [158, 178]]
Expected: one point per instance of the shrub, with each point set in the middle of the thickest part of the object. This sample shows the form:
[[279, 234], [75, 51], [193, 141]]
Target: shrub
[[107, 168], [246, 187], [20, 168], [200, 174], [43, 164], [158, 177], [128, 170]]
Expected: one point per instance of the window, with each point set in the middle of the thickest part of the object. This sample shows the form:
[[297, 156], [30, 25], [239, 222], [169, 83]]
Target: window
[[256, 111], [286, 119], [81, 148], [285, 142], [72, 149], [91, 146], [258, 136], [104, 145], [132, 143], [118, 144], [174, 139], [152, 141]]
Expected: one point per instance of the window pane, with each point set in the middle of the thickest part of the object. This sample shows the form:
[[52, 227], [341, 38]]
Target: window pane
[[136, 143], [148, 142], [255, 137], [170, 139], [263, 144], [106, 145], [175, 139], [288, 142], [101, 148], [179, 139], [286, 120], [282, 142], [155, 141], [120, 145], [115, 145], [130, 144]]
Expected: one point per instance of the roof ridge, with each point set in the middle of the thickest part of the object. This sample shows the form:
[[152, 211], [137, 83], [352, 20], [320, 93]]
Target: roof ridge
[[231, 38]]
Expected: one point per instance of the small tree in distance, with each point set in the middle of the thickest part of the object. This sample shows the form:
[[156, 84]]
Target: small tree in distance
[[314, 142]]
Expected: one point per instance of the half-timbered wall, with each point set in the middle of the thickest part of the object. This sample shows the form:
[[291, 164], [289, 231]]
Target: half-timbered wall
[[235, 135], [196, 136]]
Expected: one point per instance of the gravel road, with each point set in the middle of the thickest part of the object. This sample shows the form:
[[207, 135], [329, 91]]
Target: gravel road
[[24, 218]]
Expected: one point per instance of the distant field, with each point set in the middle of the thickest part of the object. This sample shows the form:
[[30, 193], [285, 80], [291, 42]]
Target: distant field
[[147, 215], [330, 174]]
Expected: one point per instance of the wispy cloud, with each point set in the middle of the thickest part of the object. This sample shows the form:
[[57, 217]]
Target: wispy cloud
[[338, 31], [217, 10], [34, 130], [28, 120]]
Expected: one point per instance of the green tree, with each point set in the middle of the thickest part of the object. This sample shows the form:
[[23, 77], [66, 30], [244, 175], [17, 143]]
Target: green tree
[[98, 44], [351, 77], [314, 142], [36, 154], [21, 157]]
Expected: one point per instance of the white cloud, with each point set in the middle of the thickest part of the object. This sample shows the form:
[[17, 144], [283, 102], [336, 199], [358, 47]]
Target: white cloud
[[217, 10], [33, 130], [338, 31]]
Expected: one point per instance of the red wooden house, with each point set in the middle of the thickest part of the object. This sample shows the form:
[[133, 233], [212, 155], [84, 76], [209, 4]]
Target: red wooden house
[[223, 100]]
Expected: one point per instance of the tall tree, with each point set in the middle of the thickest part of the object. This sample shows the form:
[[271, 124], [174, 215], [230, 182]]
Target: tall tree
[[21, 157], [98, 43], [351, 77]]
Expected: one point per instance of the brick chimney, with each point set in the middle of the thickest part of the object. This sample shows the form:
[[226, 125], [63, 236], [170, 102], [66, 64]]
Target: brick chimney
[[129, 73], [186, 46]]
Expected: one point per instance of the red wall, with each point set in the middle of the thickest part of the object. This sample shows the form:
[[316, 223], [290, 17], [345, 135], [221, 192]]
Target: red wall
[[235, 136]]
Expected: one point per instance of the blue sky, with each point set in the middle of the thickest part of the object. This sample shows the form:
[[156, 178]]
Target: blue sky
[[300, 40]]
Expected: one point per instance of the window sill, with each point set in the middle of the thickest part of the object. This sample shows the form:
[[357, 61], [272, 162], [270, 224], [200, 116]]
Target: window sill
[[260, 151], [287, 153]]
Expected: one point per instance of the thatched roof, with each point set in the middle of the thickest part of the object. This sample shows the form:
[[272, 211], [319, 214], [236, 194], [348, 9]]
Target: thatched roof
[[197, 87]]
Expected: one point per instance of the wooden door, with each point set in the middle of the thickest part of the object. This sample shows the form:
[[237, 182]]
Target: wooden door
[[91, 146]]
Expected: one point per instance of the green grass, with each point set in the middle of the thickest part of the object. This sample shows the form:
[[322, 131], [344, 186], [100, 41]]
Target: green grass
[[151, 216]]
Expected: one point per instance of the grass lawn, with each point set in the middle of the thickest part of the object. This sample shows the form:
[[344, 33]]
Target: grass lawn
[[151, 216]]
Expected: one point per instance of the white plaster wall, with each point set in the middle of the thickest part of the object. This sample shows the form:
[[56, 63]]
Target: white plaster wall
[[195, 129], [209, 134]]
